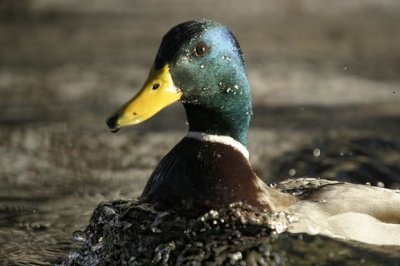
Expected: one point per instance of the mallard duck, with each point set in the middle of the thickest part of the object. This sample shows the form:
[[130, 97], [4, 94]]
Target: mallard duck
[[200, 64]]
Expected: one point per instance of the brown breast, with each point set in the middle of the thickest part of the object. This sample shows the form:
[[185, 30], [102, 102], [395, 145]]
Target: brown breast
[[203, 175]]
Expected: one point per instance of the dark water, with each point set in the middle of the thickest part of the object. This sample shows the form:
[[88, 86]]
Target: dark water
[[323, 77], [130, 233]]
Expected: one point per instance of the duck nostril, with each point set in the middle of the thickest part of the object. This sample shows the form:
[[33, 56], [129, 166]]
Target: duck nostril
[[134, 113], [155, 86]]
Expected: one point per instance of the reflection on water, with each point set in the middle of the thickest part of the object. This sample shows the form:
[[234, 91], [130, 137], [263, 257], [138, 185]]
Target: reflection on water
[[65, 67]]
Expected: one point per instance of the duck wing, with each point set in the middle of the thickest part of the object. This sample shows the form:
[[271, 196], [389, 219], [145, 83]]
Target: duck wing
[[349, 211]]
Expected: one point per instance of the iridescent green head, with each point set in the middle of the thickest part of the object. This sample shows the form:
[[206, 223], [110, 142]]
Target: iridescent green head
[[199, 63]]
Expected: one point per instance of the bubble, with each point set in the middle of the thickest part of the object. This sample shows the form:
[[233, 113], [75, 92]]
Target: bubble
[[292, 172], [202, 66], [79, 236], [345, 67], [316, 152], [380, 184], [235, 257]]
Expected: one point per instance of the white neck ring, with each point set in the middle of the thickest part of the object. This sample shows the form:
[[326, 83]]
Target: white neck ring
[[227, 140]]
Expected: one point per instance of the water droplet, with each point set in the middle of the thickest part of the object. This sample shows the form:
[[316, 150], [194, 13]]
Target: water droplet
[[186, 122], [204, 88], [380, 184], [220, 83], [236, 86], [79, 236], [108, 210], [368, 183], [225, 57], [228, 90], [154, 229], [316, 152], [202, 66], [214, 214], [342, 154], [235, 257], [292, 172], [345, 67]]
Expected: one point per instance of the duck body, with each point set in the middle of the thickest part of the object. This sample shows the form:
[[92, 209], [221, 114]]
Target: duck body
[[200, 64], [349, 211]]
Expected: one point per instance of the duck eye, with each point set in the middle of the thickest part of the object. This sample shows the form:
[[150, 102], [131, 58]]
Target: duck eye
[[200, 50]]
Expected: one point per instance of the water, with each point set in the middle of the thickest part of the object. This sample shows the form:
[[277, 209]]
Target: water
[[228, 236], [59, 161]]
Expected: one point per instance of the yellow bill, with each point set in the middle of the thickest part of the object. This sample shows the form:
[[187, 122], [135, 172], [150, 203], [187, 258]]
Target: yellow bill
[[157, 93]]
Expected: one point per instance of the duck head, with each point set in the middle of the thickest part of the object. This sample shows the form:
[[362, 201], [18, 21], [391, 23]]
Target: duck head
[[200, 64]]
